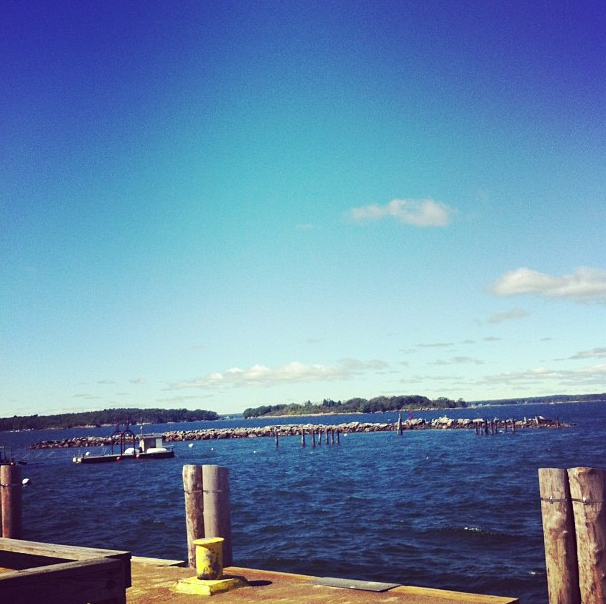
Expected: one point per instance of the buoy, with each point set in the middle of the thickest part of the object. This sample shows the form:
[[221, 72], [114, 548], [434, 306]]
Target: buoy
[[25, 481]]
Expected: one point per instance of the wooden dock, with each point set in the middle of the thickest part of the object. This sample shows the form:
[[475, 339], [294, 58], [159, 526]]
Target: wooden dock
[[153, 582]]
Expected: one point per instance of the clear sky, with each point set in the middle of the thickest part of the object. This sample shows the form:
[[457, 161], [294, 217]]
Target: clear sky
[[219, 205]]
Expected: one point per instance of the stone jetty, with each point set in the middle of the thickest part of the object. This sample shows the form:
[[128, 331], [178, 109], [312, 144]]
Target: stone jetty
[[440, 423]]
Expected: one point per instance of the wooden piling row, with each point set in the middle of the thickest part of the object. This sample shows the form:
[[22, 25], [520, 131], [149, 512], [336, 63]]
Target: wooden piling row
[[492, 426], [573, 508]]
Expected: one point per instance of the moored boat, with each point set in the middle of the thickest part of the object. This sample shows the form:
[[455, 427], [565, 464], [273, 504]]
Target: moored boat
[[150, 446]]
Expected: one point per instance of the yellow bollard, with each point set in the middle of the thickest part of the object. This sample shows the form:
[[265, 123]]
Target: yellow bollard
[[209, 558]]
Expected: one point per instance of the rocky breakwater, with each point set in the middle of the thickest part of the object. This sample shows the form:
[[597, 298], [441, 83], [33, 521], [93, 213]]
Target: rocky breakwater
[[440, 423]]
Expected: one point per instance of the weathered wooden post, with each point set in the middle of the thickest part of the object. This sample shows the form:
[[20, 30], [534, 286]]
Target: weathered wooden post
[[338, 436], [302, 437], [588, 490], [277, 443], [217, 514], [11, 487], [559, 537], [313, 439], [399, 424], [513, 425], [194, 509]]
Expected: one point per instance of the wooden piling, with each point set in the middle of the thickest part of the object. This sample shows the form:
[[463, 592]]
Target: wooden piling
[[11, 487], [313, 439], [332, 437], [194, 510], [277, 443], [559, 537], [587, 490], [513, 425], [217, 514], [338, 436], [302, 437], [399, 424]]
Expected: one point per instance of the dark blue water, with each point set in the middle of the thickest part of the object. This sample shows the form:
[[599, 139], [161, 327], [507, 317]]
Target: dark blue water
[[437, 508]]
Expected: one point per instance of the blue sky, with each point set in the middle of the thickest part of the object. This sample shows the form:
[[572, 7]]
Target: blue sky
[[221, 205]]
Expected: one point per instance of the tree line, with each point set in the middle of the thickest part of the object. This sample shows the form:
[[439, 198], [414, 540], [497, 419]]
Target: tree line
[[107, 417], [378, 404]]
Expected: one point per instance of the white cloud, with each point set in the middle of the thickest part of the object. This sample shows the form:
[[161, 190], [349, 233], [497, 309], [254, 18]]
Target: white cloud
[[516, 313], [295, 372], [583, 285], [415, 212]]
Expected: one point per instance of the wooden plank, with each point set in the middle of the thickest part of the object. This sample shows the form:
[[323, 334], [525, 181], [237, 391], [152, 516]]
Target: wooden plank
[[588, 489], [559, 537], [69, 583], [54, 550]]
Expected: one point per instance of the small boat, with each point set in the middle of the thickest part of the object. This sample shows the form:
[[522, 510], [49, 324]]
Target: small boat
[[151, 446]]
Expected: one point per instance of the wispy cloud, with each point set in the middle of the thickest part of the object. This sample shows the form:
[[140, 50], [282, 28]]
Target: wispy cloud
[[583, 285], [595, 353], [295, 372], [594, 374], [436, 345], [516, 313], [415, 212], [458, 361]]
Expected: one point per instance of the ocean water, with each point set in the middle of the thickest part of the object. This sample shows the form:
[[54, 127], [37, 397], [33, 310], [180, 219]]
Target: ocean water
[[437, 508]]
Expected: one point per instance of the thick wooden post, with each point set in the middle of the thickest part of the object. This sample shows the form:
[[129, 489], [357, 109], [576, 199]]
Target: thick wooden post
[[399, 424], [194, 510], [11, 487], [217, 514], [277, 443], [313, 439], [302, 437], [559, 537], [588, 490]]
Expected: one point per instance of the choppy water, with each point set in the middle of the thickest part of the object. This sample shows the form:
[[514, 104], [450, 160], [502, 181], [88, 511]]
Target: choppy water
[[444, 509]]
